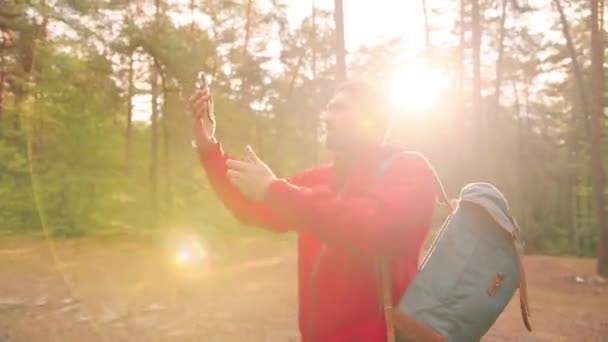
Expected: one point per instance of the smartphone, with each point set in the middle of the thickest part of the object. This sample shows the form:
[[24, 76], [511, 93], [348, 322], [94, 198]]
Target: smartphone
[[203, 83]]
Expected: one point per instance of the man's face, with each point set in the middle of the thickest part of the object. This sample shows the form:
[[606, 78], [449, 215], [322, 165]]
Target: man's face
[[347, 127]]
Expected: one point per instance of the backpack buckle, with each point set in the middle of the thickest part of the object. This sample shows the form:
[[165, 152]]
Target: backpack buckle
[[497, 280]]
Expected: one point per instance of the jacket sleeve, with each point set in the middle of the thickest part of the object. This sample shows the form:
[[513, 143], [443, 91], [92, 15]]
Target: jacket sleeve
[[401, 200], [257, 213]]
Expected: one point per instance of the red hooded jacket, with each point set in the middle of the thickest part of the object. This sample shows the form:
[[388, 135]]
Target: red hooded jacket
[[340, 231]]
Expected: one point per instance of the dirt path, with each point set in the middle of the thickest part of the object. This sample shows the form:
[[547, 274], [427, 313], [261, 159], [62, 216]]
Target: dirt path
[[136, 290]]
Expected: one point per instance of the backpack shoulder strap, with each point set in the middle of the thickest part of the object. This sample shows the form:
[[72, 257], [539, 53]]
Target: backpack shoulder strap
[[442, 196], [382, 264], [385, 299]]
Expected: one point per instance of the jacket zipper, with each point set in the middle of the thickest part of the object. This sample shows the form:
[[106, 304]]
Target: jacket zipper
[[313, 276], [315, 269], [313, 299]]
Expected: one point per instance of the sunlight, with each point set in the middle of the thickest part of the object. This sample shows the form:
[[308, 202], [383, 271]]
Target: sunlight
[[185, 248], [417, 87], [384, 19], [183, 256], [189, 252]]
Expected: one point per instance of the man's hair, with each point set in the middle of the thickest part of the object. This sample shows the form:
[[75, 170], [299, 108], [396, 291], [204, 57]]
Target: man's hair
[[371, 100]]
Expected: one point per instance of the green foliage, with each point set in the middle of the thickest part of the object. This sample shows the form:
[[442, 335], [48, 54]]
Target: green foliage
[[72, 163]]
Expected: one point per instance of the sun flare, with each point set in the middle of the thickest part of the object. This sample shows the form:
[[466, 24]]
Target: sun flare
[[189, 252], [185, 248], [417, 87]]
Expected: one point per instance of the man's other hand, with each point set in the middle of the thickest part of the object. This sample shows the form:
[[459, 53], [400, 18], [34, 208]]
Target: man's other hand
[[252, 177]]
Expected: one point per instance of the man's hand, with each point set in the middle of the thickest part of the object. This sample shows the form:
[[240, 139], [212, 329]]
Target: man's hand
[[252, 177], [203, 127]]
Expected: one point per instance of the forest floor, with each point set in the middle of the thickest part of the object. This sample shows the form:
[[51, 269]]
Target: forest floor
[[119, 289]]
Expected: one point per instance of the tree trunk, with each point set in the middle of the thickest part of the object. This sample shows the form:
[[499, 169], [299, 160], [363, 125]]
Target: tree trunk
[[166, 147], [154, 150], [521, 180], [340, 47], [572, 210], [461, 58], [2, 73], [192, 21], [501, 40], [584, 106], [281, 122], [576, 68], [527, 106], [492, 123], [427, 28], [245, 78], [579, 201], [479, 149], [461, 55], [154, 128], [129, 129], [314, 40], [597, 170], [247, 26], [245, 95], [313, 116], [477, 111]]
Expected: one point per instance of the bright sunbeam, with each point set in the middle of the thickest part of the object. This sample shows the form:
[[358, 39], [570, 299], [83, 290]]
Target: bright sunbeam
[[183, 256], [417, 87], [185, 249], [189, 252]]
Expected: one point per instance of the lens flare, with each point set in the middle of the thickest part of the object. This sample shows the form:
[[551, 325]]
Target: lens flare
[[417, 87], [184, 249], [183, 256], [189, 252]]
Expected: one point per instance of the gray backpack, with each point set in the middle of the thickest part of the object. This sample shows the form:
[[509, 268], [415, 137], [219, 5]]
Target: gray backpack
[[468, 276]]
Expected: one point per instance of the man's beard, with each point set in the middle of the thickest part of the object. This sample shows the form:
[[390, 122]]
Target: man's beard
[[333, 141], [342, 142]]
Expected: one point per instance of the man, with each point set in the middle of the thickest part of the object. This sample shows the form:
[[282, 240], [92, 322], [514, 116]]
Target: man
[[345, 214]]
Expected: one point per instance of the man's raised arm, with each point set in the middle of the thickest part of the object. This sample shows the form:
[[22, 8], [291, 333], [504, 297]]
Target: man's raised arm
[[400, 203], [213, 160]]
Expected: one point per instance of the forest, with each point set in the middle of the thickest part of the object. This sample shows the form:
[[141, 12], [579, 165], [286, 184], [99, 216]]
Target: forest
[[95, 125]]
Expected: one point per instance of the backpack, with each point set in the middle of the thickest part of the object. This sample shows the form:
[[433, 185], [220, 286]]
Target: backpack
[[467, 277]]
